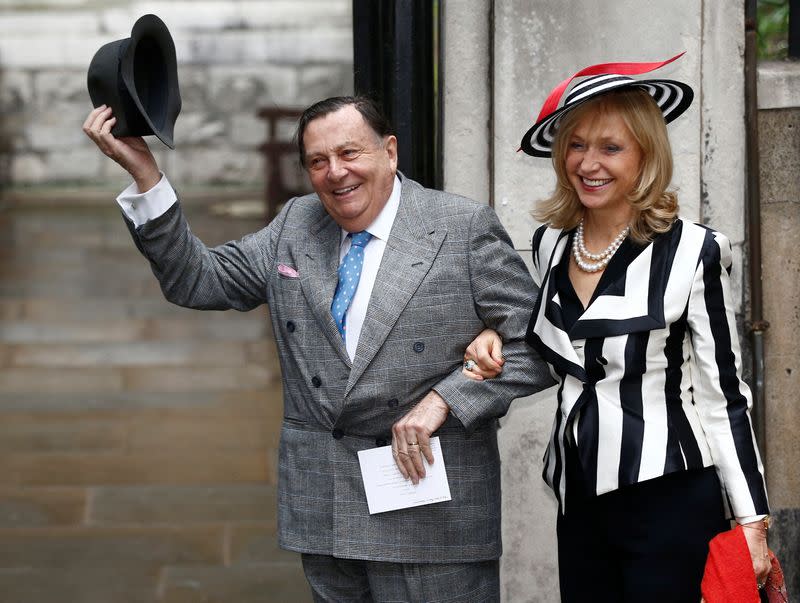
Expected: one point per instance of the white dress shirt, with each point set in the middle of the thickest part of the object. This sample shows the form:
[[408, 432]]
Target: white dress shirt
[[373, 254], [142, 207]]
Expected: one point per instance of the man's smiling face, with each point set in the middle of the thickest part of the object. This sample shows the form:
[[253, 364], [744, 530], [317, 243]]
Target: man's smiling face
[[351, 168]]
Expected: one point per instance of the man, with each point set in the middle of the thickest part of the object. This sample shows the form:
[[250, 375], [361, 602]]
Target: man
[[367, 358]]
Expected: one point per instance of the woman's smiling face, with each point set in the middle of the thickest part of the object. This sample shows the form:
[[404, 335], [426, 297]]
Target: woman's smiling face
[[603, 161]]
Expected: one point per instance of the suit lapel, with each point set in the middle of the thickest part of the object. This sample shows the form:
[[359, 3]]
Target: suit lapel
[[319, 258], [634, 300], [631, 302], [546, 329], [410, 251]]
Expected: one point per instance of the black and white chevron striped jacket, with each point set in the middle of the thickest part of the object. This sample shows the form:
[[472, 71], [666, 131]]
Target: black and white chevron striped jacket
[[650, 373]]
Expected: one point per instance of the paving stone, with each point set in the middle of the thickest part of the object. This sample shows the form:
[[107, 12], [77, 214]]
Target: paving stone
[[123, 583], [262, 583], [42, 506], [198, 466], [95, 547], [172, 504]]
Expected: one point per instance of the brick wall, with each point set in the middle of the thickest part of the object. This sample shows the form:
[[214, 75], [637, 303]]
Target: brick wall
[[234, 56]]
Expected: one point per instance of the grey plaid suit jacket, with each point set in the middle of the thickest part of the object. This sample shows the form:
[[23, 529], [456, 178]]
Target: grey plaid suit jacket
[[448, 270]]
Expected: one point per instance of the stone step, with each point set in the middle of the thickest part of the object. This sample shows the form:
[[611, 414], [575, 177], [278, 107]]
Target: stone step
[[107, 546], [53, 310], [173, 504], [72, 259], [262, 404], [143, 379], [93, 229], [220, 354], [230, 326], [78, 287], [50, 380], [197, 465], [105, 270], [254, 542], [199, 379], [41, 506], [32, 434], [84, 432], [122, 583], [257, 583]]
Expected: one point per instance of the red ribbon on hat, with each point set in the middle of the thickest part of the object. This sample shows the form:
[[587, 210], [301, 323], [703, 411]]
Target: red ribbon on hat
[[551, 104]]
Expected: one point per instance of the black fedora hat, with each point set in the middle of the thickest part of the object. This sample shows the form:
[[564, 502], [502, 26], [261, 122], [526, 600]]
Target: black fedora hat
[[138, 78], [671, 96]]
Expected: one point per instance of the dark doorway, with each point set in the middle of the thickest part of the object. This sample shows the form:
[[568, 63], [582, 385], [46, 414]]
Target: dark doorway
[[396, 58]]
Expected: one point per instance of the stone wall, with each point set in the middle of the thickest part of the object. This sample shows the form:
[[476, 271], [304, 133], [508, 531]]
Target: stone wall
[[234, 57], [779, 148], [493, 87]]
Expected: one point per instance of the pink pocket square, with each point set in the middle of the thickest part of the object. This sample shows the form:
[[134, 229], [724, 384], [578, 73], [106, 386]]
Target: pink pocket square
[[287, 271]]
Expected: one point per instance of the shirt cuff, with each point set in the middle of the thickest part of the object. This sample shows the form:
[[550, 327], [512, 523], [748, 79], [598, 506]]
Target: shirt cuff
[[143, 207], [749, 519]]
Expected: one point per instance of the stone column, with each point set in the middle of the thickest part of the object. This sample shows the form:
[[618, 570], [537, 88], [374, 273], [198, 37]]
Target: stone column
[[531, 47], [779, 147]]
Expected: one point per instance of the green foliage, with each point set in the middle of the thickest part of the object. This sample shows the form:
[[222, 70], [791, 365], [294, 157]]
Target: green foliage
[[773, 28]]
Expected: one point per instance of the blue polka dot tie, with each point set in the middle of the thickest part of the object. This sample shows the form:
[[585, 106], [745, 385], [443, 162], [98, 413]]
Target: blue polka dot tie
[[349, 274]]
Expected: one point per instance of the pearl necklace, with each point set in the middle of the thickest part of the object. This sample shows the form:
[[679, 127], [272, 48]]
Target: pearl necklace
[[594, 262]]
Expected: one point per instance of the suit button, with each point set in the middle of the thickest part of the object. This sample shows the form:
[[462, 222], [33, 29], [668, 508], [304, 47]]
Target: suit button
[[381, 442], [337, 434], [393, 403], [316, 381], [419, 346], [290, 326]]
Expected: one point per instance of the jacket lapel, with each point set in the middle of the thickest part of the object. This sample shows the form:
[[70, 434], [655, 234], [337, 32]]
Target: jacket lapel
[[634, 301], [319, 258], [546, 331], [410, 251]]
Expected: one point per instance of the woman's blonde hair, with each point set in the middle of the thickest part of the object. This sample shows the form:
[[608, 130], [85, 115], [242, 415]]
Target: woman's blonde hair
[[654, 207]]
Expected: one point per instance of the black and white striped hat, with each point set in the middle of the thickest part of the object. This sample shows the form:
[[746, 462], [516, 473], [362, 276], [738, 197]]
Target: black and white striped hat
[[672, 97]]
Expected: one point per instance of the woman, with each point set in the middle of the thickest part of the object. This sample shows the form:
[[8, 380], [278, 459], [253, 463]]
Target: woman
[[652, 447]]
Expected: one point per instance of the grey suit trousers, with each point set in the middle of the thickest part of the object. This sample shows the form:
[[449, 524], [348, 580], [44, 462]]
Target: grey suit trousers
[[334, 580]]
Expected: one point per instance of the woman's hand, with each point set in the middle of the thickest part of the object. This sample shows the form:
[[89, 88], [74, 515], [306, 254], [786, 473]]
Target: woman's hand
[[756, 535], [483, 358], [132, 153]]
